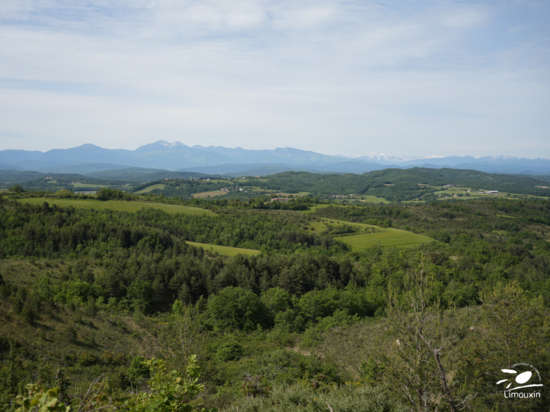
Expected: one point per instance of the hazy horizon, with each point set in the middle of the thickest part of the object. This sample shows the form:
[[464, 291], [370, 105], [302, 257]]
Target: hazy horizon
[[351, 78], [372, 155]]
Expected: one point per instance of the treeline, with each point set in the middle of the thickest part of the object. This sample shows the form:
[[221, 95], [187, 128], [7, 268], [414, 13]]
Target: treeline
[[48, 231], [477, 217]]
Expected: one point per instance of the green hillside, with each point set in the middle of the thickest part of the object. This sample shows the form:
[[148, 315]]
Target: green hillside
[[103, 309], [225, 250], [118, 205], [389, 185], [400, 184], [384, 238]]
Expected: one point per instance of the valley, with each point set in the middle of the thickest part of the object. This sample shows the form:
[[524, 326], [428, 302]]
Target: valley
[[280, 287]]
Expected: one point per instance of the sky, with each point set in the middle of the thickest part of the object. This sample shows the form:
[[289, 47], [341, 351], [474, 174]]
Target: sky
[[403, 78]]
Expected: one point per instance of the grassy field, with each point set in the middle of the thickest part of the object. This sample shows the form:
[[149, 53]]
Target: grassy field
[[80, 185], [314, 208], [212, 193], [373, 199], [385, 237], [374, 236], [118, 205], [149, 189], [225, 250], [322, 225]]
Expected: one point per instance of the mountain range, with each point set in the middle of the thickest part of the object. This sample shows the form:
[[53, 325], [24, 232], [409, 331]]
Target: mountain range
[[91, 159]]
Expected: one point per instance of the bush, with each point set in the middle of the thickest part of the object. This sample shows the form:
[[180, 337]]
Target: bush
[[237, 308], [276, 300], [168, 391], [39, 399], [229, 351], [109, 194]]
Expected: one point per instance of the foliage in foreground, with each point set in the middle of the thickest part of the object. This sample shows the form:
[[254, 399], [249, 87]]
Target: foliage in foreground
[[166, 391]]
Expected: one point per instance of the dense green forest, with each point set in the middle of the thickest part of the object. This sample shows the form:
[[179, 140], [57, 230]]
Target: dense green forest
[[114, 310]]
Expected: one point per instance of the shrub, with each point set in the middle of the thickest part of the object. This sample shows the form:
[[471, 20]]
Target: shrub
[[40, 399], [228, 351], [276, 300], [168, 391], [238, 308]]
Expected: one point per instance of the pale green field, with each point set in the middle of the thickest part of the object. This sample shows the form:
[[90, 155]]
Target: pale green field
[[80, 185], [321, 226], [373, 199], [149, 189], [211, 193], [380, 237], [258, 189], [225, 250], [314, 208], [119, 205], [385, 237]]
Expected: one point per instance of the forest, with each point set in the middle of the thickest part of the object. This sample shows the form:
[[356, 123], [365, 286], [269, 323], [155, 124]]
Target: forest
[[120, 308]]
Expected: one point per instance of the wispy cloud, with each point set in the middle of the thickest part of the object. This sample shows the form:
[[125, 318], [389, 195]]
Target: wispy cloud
[[335, 76]]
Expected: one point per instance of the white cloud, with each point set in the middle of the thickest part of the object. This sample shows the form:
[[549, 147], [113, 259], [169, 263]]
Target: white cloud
[[465, 17], [332, 76]]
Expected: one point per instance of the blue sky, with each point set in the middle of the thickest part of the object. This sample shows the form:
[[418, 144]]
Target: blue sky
[[404, 78]]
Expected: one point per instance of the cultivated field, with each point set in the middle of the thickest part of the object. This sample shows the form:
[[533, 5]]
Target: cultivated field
[[149, 189], [211, 193], [325, 224], [366, 236], [373, 199], [118, 205], [80, 185], [225, 250], [385, 237]]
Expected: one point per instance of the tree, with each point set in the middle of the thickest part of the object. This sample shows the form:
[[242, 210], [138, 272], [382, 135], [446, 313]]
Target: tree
[[40, 399], [276, 300], [511, 328], [237, 308], [107, 193], [416, 361], [168, 391], [16, 189]]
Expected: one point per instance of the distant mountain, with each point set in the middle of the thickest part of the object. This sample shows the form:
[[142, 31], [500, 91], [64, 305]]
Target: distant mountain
[[177, 156], [511, 165], [89, 168]]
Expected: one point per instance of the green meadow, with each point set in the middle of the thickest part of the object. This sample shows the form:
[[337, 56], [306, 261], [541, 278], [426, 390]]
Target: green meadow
[[225, 250], [385, 237], [80, 185], [324, 224], [119, 205], [149, 189], [373, 199], [372, 235]]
